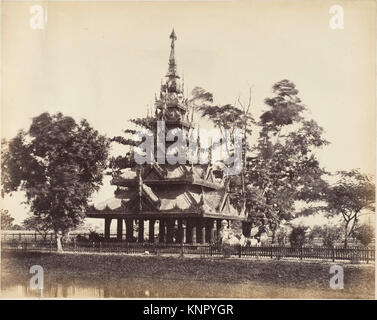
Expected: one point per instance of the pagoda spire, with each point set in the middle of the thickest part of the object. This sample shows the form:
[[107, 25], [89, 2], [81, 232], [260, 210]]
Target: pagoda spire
[[172, 71]]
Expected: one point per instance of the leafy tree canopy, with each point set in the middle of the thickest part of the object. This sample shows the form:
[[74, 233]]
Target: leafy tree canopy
[[6, 220], [297, 237], [282, 167], [40, 224], [58, 163], [352, 193], [364, 233]]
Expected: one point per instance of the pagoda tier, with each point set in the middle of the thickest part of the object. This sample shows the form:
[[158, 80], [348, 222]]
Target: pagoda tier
[[174, 202], [155, 175], [188, 201]]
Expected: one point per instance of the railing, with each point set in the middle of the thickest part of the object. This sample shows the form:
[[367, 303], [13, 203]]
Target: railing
[[364, 254], [23, 235]]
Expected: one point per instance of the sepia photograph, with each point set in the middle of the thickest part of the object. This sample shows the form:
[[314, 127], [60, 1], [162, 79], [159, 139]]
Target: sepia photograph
[[188, 150]]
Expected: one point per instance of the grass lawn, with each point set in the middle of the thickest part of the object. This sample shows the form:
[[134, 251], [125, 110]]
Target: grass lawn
[[126, 276]]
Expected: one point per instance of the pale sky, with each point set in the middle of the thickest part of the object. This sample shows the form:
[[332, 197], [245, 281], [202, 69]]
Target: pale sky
[[103, 61]]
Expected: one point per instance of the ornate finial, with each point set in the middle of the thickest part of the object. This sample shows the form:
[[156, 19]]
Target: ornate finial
[[172, 72], [173, 36]]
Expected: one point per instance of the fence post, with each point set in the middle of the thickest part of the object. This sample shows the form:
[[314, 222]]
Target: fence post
[[240, 251], [271, 255], [367, 254], [100, 246], [50, 245], [333, 254], [300, 252]]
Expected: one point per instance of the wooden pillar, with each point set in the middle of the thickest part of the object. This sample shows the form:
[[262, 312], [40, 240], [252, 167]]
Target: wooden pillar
[[246, 228], [141, 230], [151, 230], [180, 238], [129, 229], [208, 230], [218, 227], [211, 231], [188, 231], [161, 234], [193, 232], [170, 230], [119, 229], [198, 230], [107, 228], [202, 231], [184, 226]]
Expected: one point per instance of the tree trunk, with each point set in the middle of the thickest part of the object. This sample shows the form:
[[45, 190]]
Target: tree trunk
[[59, 241], [273, 236], [345, 234]]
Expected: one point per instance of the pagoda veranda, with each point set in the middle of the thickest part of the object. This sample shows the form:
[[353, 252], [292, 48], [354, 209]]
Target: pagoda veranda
[[169, 181]]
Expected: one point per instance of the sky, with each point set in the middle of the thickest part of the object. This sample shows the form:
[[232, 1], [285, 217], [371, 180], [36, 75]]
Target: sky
[[103, 61]]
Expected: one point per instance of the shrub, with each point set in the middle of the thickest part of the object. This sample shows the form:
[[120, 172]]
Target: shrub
[[281, 236], [364, 233], [297, 237], [95, 237], [328, 234]]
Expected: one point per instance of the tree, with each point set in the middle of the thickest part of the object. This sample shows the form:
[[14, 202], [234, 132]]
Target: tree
[[17, 227], [328, 234], [281, 236], [352, 193], [227, 117], [42, 225], [364, 233], [231, 118], [199, 99], [297, 237], [58, 163], [6, 220], [283, 167]]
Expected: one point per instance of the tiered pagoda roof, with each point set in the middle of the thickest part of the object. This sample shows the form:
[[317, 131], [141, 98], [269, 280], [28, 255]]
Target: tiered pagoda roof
[[166, 190]]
